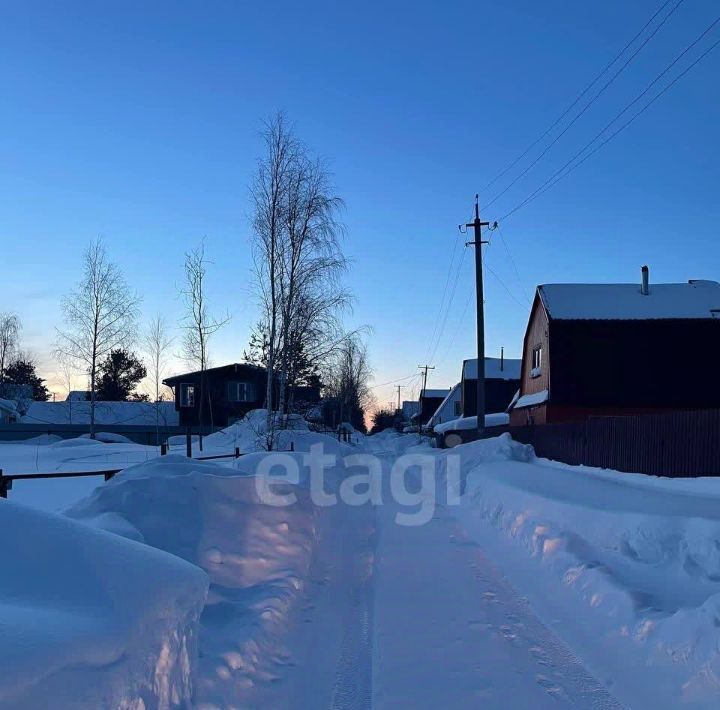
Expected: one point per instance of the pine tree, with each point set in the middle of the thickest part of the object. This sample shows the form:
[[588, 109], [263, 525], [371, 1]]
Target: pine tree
[[23, 372], [119, 374]]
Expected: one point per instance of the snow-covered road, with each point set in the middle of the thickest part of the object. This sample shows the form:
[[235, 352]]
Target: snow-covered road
[[416, 616], [451, 632]]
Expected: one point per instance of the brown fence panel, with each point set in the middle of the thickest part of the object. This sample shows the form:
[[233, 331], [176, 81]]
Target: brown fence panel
[[676, 444]]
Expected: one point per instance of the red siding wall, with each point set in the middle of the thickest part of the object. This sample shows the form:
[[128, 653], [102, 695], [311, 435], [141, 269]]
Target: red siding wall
[[537, 333]]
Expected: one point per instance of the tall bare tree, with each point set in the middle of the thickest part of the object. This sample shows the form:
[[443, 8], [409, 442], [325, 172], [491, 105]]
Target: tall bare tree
[[198, 324], [9, 335], [157, 344], [348, 380], [298, 260], [100, 315], [268, 192]]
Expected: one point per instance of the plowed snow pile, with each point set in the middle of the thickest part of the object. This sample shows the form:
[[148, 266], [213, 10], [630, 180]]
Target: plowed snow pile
[[257, 557], [625, 567], [90, 620]]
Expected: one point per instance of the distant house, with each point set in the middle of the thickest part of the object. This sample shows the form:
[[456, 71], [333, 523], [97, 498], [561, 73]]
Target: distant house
[[429, 401], [502, 379], [78, 396], [409, 409], [230, 392], [610, 349], [8, 411], [449, 409]]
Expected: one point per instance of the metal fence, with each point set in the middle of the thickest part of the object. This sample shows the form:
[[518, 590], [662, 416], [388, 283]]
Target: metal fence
[[675, 444]]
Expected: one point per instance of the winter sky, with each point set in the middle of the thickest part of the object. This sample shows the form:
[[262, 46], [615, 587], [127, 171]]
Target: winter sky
[[139, 122]]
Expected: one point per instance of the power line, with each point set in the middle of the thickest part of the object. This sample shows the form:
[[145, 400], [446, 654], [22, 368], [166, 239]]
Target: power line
[[441, 332], [507, 169], [514, 264], [587, 105], [558, 175], [460, 323], [524, 306], [392, 382], [442, 300]]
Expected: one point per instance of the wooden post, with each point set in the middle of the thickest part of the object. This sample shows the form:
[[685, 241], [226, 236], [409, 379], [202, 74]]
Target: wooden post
[[292, 446], [188, 443], [163, 449], [237, 452], [3, 485], [109, 475]]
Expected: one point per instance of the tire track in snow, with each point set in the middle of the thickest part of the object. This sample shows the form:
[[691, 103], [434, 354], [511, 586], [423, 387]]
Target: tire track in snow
[[352, 689]]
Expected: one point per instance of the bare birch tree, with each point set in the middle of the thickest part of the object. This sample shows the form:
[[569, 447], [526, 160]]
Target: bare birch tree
[[198, 324], [268, 192], [100, 316], [9, 335], [157, 341], [298, 260], [347, 382]]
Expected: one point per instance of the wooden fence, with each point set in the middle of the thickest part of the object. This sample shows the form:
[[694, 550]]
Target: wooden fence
[[674, 444]]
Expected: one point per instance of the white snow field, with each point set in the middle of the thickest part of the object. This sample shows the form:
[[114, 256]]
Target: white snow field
[[530, 584]]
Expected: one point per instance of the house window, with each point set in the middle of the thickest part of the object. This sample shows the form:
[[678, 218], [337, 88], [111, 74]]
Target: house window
[[536, 361], [458, 408], [187, 395], [240, 392]]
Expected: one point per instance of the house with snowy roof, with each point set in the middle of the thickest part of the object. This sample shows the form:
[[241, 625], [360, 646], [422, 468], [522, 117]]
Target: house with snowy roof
[[615, 349], [502, 379]]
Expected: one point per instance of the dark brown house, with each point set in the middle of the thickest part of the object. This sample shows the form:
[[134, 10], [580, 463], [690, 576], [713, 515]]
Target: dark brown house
[[228, 393], [429, 401], [502, 380], [615, 349]]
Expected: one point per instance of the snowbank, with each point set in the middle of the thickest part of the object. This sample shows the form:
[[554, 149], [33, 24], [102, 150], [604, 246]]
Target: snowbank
[[91, 620], [636, 558], [250, 434], [257, 557]]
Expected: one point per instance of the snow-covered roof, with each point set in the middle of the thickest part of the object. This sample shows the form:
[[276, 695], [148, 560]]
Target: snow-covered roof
[[131, 413], [509, 370], [695, 299], [435, 393], [531, 400]]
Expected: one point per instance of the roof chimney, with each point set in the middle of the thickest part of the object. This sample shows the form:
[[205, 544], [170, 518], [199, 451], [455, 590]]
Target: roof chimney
[[645, 285], [502, 359]]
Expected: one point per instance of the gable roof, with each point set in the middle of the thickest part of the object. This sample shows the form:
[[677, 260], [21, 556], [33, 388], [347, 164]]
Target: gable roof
[[510, 369], [435, 394], [232, 367], [692, 300]]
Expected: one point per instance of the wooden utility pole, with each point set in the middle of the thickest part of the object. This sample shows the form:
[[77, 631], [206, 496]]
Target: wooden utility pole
[[425, 375], [477, 226]]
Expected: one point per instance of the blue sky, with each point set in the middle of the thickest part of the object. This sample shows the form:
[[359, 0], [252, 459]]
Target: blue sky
[[139, 122]]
